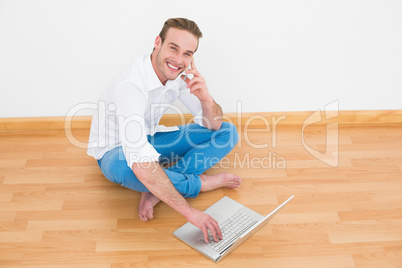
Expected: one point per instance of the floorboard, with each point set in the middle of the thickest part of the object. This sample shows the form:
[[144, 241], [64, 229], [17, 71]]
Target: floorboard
[[57, 210]]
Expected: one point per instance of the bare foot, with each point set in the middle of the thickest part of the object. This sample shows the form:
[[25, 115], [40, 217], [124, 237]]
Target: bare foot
[[212, 182], [146, 206]]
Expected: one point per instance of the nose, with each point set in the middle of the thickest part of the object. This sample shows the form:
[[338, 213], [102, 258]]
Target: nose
[[177, 60]]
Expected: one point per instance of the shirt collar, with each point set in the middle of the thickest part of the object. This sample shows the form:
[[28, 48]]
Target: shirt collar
[[152, 79]]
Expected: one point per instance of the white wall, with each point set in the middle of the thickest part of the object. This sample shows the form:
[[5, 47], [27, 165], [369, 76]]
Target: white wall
[[269, 55]]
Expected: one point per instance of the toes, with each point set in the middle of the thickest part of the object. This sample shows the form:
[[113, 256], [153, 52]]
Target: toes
[[143, 218], [237, 182], [146, 215], [150, 214]]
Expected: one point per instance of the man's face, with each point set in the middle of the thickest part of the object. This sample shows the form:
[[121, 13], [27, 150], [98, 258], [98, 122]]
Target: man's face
[[173, 55]]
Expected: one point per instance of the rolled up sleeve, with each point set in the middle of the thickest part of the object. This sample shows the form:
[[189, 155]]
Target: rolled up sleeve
[[130, 109]]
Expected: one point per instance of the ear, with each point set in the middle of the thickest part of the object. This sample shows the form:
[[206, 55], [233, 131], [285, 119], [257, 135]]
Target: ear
[[158, 42]]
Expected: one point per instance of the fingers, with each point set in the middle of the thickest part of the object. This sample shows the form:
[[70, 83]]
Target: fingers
[[189, 81], [185, 79], [193, 69], [213, 227], [205, 222], [217, 232], [193, 72], [205, 232], [192, 83], [197, 82]]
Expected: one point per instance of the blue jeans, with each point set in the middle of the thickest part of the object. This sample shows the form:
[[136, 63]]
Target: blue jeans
[[192, 148]]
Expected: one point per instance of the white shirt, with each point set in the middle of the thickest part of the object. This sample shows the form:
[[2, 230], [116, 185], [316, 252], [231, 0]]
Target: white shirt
[[130, 110]]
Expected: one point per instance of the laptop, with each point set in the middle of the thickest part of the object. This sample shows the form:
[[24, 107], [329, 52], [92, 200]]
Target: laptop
[[237, 223]]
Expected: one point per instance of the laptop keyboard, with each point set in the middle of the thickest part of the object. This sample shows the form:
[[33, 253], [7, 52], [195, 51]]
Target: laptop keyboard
[[231, 229]]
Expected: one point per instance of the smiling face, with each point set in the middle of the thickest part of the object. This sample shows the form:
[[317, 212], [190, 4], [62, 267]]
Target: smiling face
[[172, 57]]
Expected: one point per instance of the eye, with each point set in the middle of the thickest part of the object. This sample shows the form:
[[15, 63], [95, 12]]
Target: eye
[[173, 48]]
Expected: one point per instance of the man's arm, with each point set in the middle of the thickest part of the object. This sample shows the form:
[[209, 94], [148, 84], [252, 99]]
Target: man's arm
[[211, 111], [153, 177], [150, 173], [211, 114]]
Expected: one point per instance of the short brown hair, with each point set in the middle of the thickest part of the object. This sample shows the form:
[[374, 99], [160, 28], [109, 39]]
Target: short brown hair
[[182, 24]]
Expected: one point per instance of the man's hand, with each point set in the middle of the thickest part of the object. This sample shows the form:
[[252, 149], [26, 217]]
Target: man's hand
[[155, 179], [212, 112], [197, 85], [205, 222]]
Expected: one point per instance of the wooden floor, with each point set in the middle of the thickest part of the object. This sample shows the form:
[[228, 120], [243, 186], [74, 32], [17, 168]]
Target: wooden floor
[[58, 211]]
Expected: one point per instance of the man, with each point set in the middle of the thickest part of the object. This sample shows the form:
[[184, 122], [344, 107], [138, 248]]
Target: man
[[130, 145]]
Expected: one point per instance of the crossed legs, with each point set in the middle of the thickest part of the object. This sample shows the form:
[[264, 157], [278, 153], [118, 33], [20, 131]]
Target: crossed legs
[[208, 183], [191, 150]]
